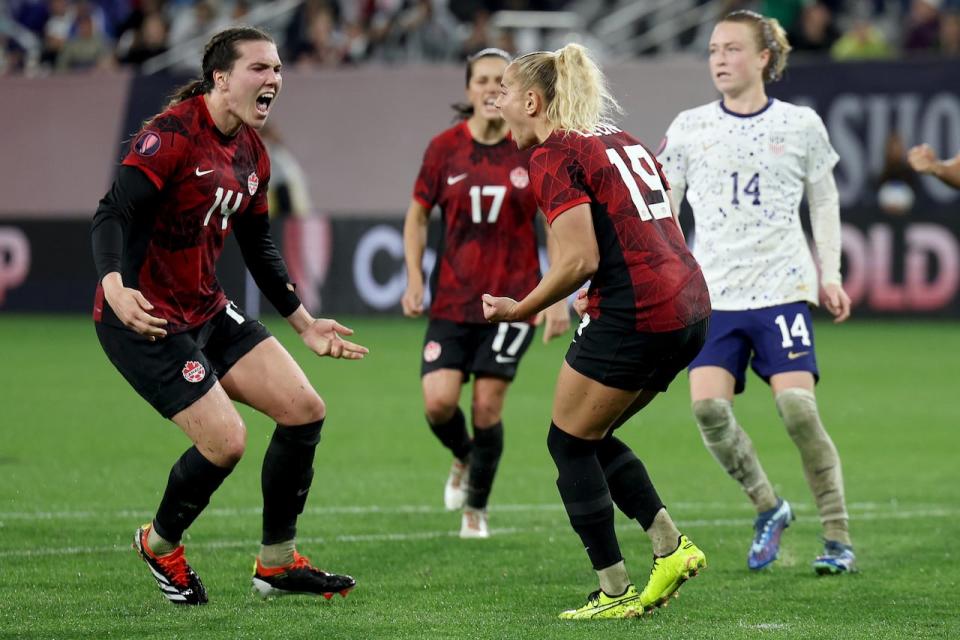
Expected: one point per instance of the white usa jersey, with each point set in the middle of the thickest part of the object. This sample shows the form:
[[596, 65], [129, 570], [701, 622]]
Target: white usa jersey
[[744, 178]]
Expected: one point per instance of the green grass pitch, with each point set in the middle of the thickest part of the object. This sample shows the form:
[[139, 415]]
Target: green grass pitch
[[83, 462]]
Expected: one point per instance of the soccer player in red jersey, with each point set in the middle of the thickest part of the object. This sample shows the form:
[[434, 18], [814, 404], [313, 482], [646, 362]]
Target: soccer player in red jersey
[[478, 178], [196, 171], [647, 313]]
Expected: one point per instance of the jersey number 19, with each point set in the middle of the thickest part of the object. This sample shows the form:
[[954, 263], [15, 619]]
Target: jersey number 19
[[655, 204]]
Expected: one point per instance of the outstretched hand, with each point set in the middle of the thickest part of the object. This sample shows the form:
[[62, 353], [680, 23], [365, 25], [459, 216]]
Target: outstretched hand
[[323, 336], [837, 302]]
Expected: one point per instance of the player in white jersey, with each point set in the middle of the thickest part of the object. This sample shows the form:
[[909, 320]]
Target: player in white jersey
[[745, 161]]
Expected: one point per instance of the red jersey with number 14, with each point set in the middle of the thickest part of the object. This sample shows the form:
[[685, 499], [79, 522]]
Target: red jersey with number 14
[[205, 179], [489, 242], [647, 279]]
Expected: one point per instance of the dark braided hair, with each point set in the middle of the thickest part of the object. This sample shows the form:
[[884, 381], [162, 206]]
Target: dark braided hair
[[465, 110], [219, 55]]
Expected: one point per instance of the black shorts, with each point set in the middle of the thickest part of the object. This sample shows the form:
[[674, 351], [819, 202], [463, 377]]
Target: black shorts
[[632, 360], [176, 371], [485, 350]]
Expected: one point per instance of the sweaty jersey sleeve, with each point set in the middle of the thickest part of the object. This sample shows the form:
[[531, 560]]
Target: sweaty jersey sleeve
[[159, 150], [821, 157], [426, 190], [557, 181]]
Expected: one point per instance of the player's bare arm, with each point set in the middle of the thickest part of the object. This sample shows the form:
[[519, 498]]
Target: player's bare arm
[[556, 318], [578, 260], [132, 308], [923, 160], [414, 244]]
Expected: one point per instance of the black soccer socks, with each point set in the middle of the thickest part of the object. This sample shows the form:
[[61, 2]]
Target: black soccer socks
[[629, 483], [453, 435], [585, 495], [484, 459], [285, 479], [192, 481]]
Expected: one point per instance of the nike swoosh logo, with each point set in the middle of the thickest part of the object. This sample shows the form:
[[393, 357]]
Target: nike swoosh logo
[[203, 173], [799, 354], [455, 179], [504, 360], [302, 492], [707, 146]]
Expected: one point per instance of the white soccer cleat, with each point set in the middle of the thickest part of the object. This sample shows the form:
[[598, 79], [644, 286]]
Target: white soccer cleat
[[455, 491], [473, 524]]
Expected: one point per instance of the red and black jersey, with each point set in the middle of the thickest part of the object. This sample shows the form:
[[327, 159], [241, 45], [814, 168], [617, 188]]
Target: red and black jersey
[[205, 180], [489, 242], [647, 278]]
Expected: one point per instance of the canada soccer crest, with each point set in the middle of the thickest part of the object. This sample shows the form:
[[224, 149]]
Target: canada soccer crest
[[193, 371], [520, 178], [431, 351], [252, 183]]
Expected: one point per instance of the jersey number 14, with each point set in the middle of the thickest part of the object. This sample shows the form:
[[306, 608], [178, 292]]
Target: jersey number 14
[[653, 203]]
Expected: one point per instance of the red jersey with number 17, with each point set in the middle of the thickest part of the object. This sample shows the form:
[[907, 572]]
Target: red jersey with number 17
[[205, 179], [489, 242], [647, 279]]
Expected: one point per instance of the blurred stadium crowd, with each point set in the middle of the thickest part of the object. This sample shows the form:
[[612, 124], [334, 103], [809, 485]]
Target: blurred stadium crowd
[[39, 37]]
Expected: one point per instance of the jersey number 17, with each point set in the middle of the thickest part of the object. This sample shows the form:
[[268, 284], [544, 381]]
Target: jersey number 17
[[653, 203]]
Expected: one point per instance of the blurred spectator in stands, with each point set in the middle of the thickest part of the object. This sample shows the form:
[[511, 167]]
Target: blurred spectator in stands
[[950, 34], [88, 48], [149, 40], [189, 29], [863, 41], [12, 56], [896, 185], [56, 31], [324, 46], [923, 26], [32, 14], [787, 12], [425, 33], [815, 30], [479, 36]]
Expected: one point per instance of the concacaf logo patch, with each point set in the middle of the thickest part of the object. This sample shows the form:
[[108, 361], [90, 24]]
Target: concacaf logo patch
[[520, 178], [193, 371], [252, 183], [148, 144], [431, 351]]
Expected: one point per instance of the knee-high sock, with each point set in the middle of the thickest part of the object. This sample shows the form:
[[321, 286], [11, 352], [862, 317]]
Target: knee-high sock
[[629, 483], [585, 496], [285, 479], [453, 435], [192, 481], [733, 449], [484, 459], [821, 463]]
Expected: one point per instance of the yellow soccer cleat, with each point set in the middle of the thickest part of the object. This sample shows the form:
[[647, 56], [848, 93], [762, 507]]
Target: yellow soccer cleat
[[601, 606], [669, 572]]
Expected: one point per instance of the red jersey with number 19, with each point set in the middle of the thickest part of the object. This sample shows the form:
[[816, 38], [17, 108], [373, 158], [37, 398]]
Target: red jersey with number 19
[[489, 242], [647, 279], [205, 179]]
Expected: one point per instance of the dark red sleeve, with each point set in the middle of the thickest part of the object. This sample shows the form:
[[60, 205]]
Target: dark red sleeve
[[426, 190], [159, 149], [556, 185], [261, 202]]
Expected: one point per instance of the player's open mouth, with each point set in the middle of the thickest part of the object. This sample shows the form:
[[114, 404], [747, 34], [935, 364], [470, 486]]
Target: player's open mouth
[[263, 102]]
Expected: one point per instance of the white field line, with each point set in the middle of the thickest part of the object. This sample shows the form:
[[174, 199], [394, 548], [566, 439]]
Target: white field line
[[222, 512], [561, 527]]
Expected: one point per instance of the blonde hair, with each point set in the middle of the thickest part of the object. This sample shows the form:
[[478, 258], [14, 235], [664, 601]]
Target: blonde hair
[[769, 35], [574, 88]]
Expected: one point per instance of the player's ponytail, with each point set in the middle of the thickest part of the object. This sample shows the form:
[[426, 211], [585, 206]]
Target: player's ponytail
[[769, 35], [218, 55], [574, 88]]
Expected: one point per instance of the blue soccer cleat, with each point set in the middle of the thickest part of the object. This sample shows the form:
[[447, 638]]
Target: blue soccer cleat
[[837, 558], [769, 527]]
